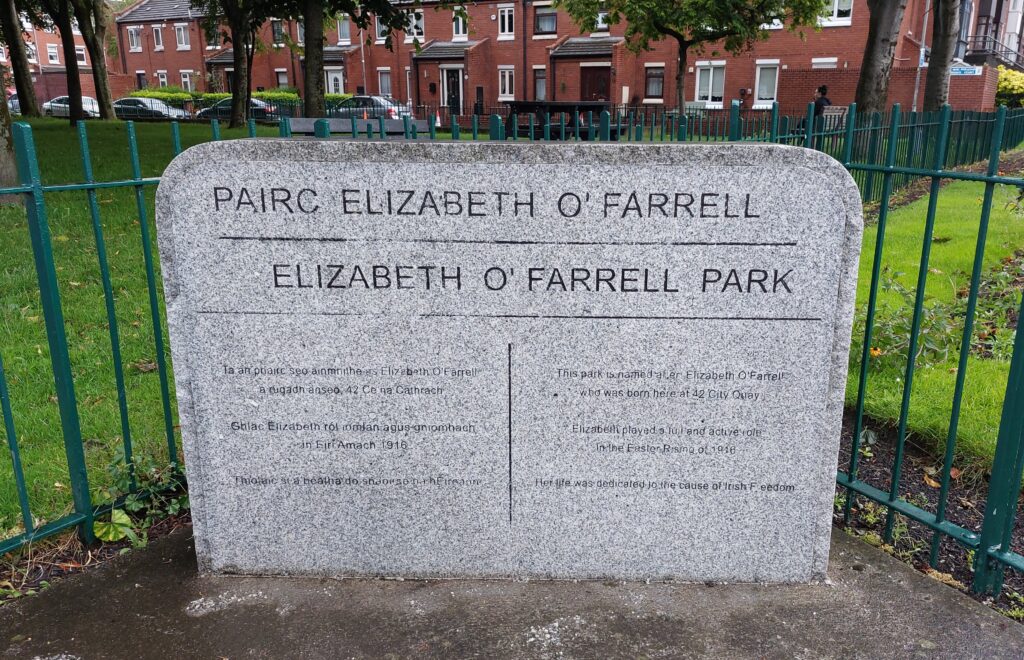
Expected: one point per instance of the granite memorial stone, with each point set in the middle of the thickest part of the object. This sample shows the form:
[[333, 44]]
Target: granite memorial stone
[[510, 360]]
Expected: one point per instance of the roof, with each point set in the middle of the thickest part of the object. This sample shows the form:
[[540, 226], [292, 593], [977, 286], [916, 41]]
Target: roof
[[159, 10], [336, 54], [226, 56], [445, 50], [586, 47]]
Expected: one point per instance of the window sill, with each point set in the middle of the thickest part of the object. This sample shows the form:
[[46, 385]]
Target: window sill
[[158, 49], [506, 98], [379, 42], [184, 47], [130, 50], [506, 37], [460, 38], [836, 22], [346, 42], [763, 105], [212, 47], [710, 105], [654, 101], [545, 35]]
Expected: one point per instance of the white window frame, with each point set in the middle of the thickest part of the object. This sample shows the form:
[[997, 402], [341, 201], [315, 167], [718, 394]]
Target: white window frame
[[134, 39], [830, 18], [546, 8], [536, 68], [391, 83], [81, 56], [158, 37], [31, 52], [187, 74], [300, 33], [181, 36], [379, 37], [216, 34], [3, 54], [601, 26], [327, 79], [161, 78], [52, 54], [712, 65], [510, 12], [506, 82], [460, 27], [759, 104], [415, 26], [273, 37], [824, 62], [277, 77], [408, 85], [344, 41]]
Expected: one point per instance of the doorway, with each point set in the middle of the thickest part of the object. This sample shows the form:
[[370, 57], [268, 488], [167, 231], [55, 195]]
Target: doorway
[[595, 83], [335, 80], [451, 90]]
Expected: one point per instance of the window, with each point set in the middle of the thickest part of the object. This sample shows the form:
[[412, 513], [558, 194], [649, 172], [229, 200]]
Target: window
[[282, 77], [540, 84], [344, 31], [3, 54], [837, 12], [277, 32], [213, 39], [140, 80], [824, 62], [654, 82], [382, 32], [408, 85], [161, 78], [460, 28], [158, 38], [181, 34], [51, 54], [414, 26], [30, 50], [186, 81], [545, 20], [506, 23], [300, 32], [384, 82], [80, 55], [135, 39], [711, 84], [602, 22], [766, 85], [506, 84]]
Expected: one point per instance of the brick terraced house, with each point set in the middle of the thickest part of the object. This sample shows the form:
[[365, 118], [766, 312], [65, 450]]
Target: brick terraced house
[[531, 50]]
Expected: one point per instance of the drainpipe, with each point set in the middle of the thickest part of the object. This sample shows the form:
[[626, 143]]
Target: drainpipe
[[525, 75], [362, 56], [920, 57]]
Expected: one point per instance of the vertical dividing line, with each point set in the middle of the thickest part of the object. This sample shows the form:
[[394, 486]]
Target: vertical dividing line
[[965, 341], [510, 434], [869, 323], [176, 137], [53, 316], [154, 302], [12, 444], [108, 298], [215, 129], [915, 325]]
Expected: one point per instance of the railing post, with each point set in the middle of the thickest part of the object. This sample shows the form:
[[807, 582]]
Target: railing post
[[773, 129], [494, 128], [1004, 486], [53, 315], [322, 129], [215, 129], [455, 127], [606, 125], [251, 124], [734, 121], [381, 128], [809, 127]]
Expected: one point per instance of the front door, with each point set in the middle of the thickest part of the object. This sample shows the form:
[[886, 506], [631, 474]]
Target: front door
[[595, 83], [335, 81], [453, 90]]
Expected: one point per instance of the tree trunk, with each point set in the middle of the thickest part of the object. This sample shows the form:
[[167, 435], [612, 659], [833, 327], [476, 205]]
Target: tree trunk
[[945, 30], [62, 19], [680, 76], [240, 79], [313, 85], [93, 16], [250, 55], [8, 165], [11, 25], [883, 33]]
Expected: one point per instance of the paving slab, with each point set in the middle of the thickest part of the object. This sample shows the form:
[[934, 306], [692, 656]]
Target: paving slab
[[153, 604]]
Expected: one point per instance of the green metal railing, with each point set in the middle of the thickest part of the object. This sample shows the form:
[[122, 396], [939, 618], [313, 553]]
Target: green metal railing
[[884, 152]]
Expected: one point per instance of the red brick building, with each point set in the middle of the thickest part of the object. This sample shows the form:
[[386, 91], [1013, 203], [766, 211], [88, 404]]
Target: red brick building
[[527, 49]]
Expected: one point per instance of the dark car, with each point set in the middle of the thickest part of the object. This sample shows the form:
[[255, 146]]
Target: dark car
[[258, 110], [142, 108], [369, 107]]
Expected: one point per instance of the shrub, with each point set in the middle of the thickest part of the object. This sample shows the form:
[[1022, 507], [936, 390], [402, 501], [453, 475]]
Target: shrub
[[172, 95], [1010, 91]]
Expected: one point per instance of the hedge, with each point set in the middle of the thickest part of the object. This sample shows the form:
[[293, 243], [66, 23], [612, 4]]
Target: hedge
[[178, 96], [1010, 91]]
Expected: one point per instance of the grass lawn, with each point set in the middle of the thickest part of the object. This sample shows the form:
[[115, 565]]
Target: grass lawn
[[24, 348]]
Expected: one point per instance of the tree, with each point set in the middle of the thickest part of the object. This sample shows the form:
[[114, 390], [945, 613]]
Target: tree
[[8, 165], [93, 17], [883, 33], [737, 24], [945, 31], [10, 26], [60, 12]]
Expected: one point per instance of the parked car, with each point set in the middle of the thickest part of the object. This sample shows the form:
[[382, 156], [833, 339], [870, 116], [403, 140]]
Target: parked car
[[369, 107], [61, 107], [13, 105], [143, 108], [258, 110]]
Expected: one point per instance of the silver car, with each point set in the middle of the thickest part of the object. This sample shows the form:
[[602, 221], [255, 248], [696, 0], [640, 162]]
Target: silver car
[[61, 107]]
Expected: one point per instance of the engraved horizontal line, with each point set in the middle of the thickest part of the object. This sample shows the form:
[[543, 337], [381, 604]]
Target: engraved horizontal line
[[598, 317], [457, 241]]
